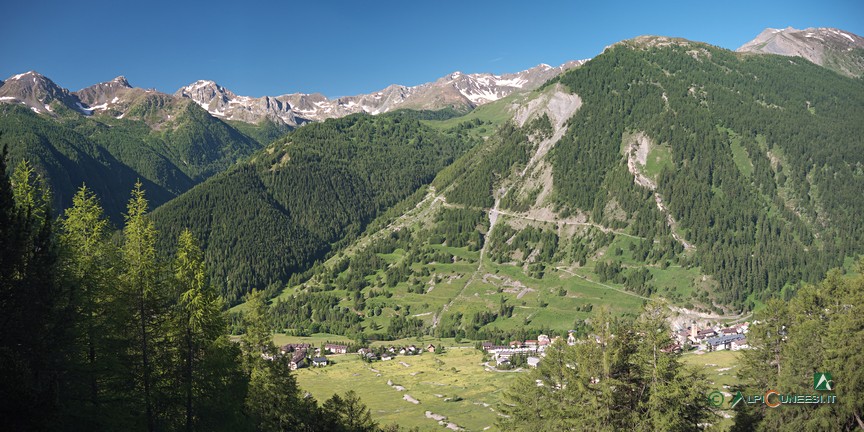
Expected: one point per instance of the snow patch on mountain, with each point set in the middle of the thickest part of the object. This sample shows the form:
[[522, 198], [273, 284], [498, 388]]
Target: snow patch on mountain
[[456, 89]]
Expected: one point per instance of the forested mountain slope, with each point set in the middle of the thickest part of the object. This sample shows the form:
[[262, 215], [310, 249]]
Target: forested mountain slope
[[168, 144], [757, 161], [276, 214], [662, 167]]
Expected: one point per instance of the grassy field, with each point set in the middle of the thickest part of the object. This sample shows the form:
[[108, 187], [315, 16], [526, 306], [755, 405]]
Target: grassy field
[[453, 384], [496, 113], [658, 158], [316, 339]]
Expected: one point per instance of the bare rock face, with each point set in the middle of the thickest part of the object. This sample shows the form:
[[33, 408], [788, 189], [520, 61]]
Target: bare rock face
[[223, 103], [105, 92], [832, 48], [37, 92], [112, 97]]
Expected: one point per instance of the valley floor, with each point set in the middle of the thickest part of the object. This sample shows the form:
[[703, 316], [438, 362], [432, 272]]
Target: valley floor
[[453, 389]]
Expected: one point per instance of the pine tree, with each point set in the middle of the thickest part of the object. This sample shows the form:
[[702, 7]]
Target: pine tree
[[616, 378], [89, 266], [199, 325], [347, 414], [818, 330], [33, 343], [675, 395], [273, 400], [144, 294]]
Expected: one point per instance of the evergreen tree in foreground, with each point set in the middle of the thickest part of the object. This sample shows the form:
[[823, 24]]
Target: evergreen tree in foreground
[[33, 342], [821, 329], [616, 378], [101, 337]]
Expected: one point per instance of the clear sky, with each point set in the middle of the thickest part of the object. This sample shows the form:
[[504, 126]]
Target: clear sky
[[257, 48]]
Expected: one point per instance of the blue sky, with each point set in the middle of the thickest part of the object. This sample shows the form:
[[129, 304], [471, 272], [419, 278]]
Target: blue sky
[[260, 48]]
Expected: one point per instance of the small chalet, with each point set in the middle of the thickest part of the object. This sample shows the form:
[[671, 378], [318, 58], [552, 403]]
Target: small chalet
[[298, 360], [430, 348], [740, 344], [543, 340], [705, 334], [723, 342], [675, 347], [336, 349], [292, 347], [533, 361], [319, 361], [571, 337]]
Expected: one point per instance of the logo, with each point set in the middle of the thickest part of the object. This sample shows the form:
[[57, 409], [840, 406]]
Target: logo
[[823, 381], [715, 398], [738, 398]]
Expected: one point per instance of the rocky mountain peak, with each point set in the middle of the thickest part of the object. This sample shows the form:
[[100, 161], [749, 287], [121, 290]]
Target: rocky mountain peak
[[209, 95], [121, 81], [836, 49], [37, 92], [114, 94]]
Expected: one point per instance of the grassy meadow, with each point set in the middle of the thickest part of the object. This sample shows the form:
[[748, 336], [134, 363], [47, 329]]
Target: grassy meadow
[[454, 384]]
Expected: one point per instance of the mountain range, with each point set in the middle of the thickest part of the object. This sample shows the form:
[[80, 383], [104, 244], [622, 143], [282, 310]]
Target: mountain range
[[648, 156], [663, 166], [172, 142], [117, 97]]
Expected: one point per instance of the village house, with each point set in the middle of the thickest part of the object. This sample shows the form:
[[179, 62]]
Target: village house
[[502, 355], [430, 348], [571, 337], [723, 342], [543, 340], [336, 349], [319, 361], [681, 336], [291, 347], [698, 336], [298, 360], [740, 344], [489, 347], [531, 343], [533, 361], [705, 334], [675, 347]]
